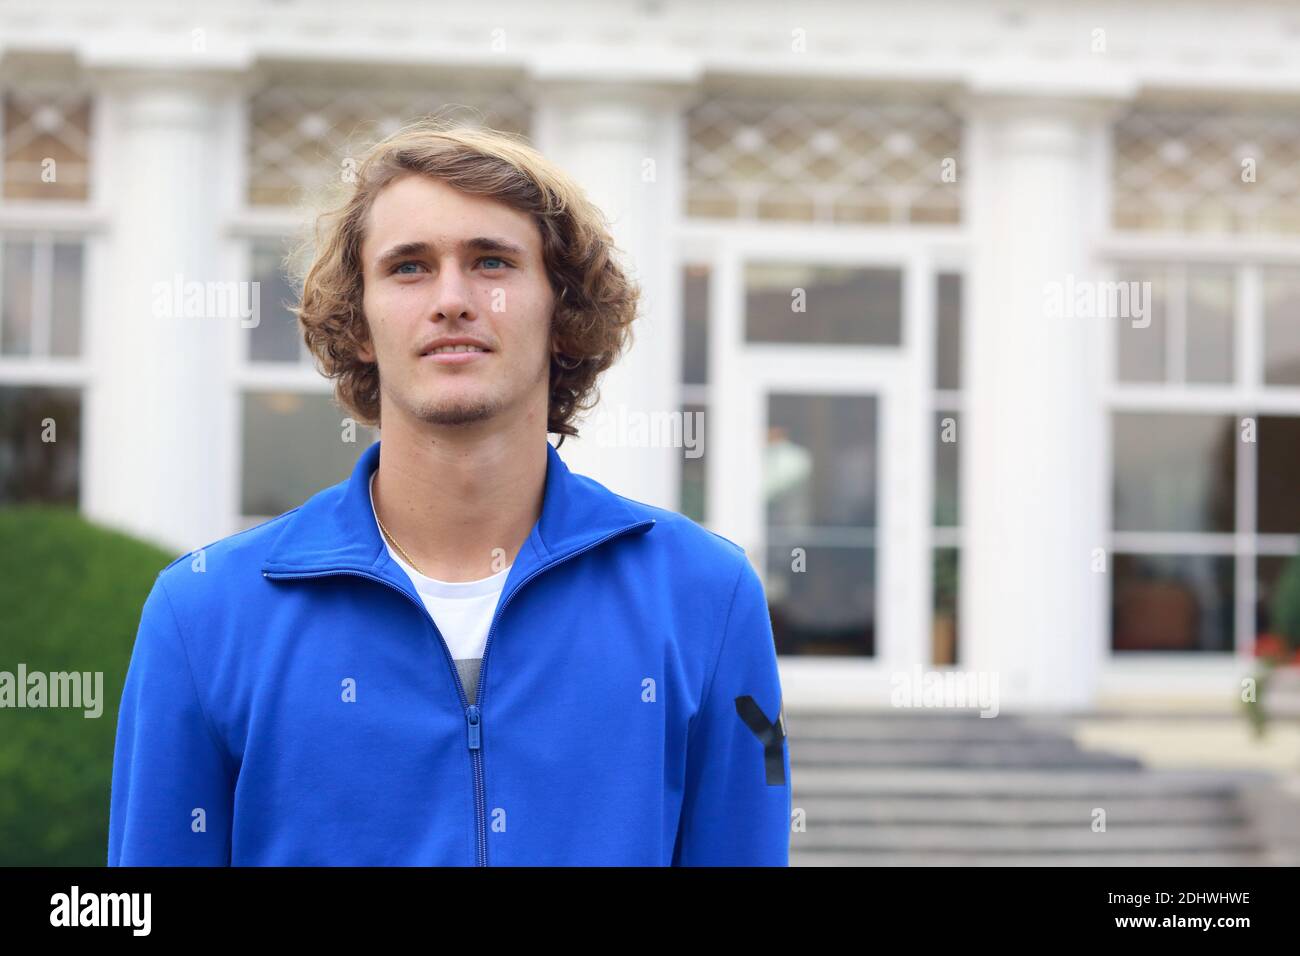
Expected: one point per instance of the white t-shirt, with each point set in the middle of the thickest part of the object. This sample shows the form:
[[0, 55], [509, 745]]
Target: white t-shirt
[[463, 610]]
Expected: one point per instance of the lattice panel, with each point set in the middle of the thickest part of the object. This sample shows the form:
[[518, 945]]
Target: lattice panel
[[822, 160], [301, 137], [46, 145], [1181, 170]]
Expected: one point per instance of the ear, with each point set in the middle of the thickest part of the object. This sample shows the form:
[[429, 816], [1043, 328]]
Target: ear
[[366, 351]]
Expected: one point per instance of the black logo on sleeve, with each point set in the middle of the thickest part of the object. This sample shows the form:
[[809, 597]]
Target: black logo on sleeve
[[770, 735]]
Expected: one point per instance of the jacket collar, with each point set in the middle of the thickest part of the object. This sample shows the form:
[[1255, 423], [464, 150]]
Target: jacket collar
[[335, 530]]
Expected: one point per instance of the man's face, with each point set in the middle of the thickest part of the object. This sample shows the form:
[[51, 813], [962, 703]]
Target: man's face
[[438, 263]]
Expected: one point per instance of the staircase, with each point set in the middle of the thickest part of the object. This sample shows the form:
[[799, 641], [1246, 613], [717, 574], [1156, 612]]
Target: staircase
[[921, 788]]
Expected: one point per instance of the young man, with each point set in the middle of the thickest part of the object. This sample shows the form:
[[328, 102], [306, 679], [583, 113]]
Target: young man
[[465, 654]]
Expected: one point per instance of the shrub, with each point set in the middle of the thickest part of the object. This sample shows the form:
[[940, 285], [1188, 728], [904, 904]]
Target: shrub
[[72, 593]]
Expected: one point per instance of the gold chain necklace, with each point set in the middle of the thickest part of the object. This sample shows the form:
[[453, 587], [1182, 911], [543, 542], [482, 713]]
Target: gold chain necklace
[[406, 557]]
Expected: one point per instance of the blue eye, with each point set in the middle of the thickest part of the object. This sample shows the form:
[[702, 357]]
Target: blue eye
[[494, 259], [402, 265]]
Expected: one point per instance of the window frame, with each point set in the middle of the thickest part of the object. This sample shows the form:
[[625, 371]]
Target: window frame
[[1246, 396], [82, 221]]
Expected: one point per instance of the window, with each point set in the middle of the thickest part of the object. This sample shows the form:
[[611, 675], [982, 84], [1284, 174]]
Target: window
[[40, 297], [1204, 438], [1281, 291], [1174, 472], [946, 556], [303, 136], [1178, 326], [46, 145], [1174, 487], [814, 305], [1277, 475], [276, 337], [45, 156], [1195, 169], [855, 159], [294, 440], [40, 445], [820, 475], [1173, 602], [693, 497], [294, 445]]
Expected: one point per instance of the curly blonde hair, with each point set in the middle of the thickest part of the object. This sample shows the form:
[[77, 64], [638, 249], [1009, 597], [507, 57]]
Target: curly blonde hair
[[596, 302]]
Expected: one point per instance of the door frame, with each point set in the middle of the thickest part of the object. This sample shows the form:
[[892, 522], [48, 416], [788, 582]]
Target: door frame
[[742, 375]]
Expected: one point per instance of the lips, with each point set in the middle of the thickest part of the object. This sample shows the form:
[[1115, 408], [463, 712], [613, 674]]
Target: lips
[[455, 358], [453, 345], [456, 350]]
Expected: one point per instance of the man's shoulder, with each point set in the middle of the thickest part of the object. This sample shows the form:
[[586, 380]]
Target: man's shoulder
[[690, 548], [225, 561], [682, 527]]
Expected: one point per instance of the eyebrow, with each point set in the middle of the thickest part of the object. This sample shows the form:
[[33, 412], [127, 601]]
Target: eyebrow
[[405, 250]]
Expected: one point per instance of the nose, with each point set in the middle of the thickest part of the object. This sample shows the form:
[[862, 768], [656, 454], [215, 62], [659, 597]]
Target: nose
[[451, 297]]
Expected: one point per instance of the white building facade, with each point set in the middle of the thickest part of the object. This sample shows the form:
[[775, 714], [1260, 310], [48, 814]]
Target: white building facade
[[976, 324]]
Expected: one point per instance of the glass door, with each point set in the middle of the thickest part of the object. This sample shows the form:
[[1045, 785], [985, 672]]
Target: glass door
[[820, 371], [821, 465]]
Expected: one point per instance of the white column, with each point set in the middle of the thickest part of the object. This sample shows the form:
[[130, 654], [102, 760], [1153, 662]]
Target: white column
[[158, 436], [623, 143], [1033, 461]]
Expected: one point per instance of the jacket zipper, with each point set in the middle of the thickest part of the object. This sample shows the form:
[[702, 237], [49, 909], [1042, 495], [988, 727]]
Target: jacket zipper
[[473, 712]]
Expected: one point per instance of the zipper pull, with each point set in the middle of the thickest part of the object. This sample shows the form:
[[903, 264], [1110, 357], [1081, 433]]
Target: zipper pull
[[472, 715]]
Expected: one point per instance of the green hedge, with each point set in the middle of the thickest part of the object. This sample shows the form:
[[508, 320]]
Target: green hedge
[[71, 594]]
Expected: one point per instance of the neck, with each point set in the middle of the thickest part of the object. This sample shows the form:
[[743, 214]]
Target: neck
[[460, 501]]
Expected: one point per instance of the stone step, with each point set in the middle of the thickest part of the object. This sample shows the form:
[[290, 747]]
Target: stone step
[[916, 788], [1076, 838], [929, 727], [947, 753], [1014, 783], [1155, 811]]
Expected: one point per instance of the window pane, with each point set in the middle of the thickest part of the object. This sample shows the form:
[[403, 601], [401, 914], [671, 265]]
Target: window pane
[[292, 448], [694, 469], [65, 300], [1269, 571], [1178, 167], [947, 430], [819, 477], [276, 337], [820, 461], [1282, 326], [839, 306], [31, 468], [828, 157], [947, 571], [1278, 481], [1178, 602], [948, 331], [1142, 350], [300, 132], [47, 145], [695, 325], [822, 600], [16, 310], [1174, 472], [1210, 309]]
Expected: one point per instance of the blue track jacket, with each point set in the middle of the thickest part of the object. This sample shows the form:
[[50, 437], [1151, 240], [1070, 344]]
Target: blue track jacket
[[290, 700]]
